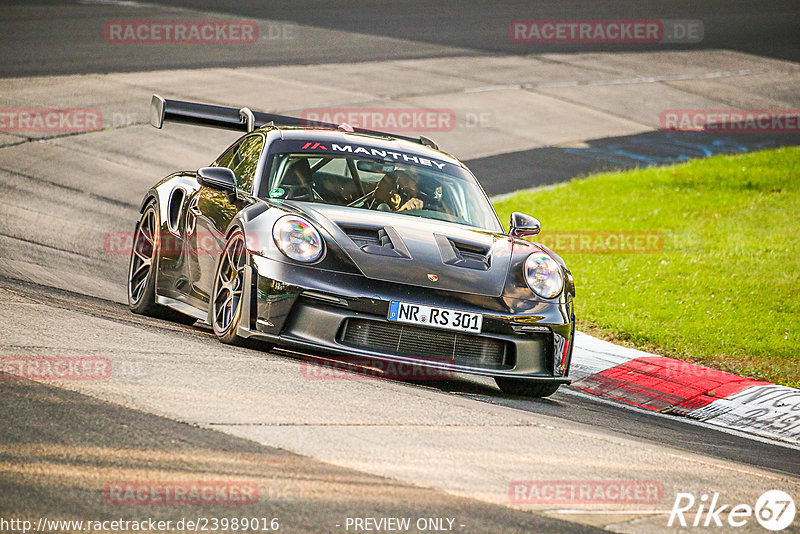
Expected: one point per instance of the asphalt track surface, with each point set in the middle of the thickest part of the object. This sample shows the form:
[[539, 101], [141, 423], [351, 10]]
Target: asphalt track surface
[[439, 28], [397, 30], [768, 29], [65, 437], [94, 437]]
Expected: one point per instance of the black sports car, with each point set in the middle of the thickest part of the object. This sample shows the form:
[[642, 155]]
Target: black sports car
[[354, 243]]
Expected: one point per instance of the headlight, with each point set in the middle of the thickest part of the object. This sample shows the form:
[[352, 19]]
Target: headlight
[[297, 239], [543, 275]]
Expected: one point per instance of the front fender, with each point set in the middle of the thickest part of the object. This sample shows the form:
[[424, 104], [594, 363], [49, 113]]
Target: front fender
[[164, 188], [516, 287], [258, 220]]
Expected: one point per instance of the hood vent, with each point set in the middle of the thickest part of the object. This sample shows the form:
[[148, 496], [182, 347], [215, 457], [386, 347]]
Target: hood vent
[[382, 241], [467, 255]]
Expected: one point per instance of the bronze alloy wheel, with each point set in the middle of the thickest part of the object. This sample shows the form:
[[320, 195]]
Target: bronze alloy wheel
[[143, 270], [142, 253], [229, 289]]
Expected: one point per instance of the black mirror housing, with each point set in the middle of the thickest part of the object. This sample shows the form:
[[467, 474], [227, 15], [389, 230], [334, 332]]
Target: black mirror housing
[[220, 178], [522, 225], [374, 166]]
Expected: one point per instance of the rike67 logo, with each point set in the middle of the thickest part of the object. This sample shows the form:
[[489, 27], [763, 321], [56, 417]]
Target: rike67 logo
[[774, 510]]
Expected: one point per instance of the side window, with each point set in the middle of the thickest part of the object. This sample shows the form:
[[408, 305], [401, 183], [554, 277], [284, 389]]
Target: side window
[[225, 159], [245, 161]]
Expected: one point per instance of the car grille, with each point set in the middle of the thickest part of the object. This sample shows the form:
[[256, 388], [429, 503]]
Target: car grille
[[426, 343]]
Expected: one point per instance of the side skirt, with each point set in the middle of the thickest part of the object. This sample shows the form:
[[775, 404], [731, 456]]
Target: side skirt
[[183, 307]]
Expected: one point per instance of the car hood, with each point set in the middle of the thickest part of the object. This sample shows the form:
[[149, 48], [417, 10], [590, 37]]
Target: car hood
[[420, 252]]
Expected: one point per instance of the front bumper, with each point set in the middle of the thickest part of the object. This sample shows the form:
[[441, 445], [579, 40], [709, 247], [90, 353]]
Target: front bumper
[[345, 314]]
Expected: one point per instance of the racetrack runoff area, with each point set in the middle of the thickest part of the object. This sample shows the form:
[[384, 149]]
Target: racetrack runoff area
[[63, 192]]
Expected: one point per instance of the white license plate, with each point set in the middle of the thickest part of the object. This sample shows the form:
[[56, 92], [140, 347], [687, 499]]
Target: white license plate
[[405, 312]]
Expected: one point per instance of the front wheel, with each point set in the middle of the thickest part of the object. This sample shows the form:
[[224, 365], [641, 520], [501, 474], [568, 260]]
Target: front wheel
[[229, 291], [525, 388]]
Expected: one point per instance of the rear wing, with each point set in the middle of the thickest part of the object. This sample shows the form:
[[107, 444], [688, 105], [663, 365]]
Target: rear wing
[[245, 120]]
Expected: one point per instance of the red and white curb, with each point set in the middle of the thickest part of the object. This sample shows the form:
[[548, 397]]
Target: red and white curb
[[676, 387]]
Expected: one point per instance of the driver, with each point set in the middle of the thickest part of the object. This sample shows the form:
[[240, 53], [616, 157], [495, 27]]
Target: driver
[[398, 191]]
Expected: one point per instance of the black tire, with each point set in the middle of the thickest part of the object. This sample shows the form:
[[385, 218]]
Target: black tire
[[143, 269], [525, 388]]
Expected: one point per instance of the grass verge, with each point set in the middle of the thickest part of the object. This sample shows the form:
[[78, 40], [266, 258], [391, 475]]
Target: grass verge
[[711, 273]]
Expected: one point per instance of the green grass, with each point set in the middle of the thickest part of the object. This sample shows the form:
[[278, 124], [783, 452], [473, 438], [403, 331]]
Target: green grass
[[724, 291]]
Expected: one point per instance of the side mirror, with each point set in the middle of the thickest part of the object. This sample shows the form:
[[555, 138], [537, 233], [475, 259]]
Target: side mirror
[[220, 178], [523, 225]]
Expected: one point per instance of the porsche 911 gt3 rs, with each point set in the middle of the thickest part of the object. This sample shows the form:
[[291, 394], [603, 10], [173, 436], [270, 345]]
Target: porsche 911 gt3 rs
[[361, 244]]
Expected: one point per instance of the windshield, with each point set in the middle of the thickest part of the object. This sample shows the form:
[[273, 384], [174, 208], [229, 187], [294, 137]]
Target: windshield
[[419, 187]]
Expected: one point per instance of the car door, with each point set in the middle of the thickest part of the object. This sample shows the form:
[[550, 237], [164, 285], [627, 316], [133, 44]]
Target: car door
[[213, 211]]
